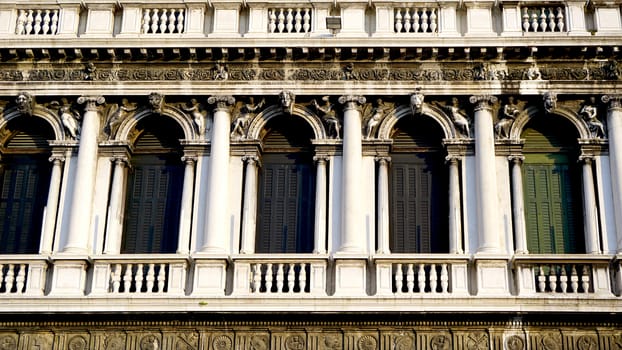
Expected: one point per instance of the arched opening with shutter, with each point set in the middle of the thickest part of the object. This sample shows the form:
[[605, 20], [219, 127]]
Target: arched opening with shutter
[[418, 185], [552, 186], [25, 171], [286, 188], [154, 188]]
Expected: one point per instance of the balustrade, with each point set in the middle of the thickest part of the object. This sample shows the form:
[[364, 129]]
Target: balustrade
[[543, 19], [416, 20], [22, 276], [163, 21], [289, 20], [37, 22]]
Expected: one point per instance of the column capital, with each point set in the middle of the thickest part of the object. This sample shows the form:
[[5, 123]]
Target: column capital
[[453, 158], [614, 101], [56, 158], [250, 159], [516, 158], [222, 102], [483, 101], [320, 158], [91, 102], [189, 160], [119, 160], [383, 160], [352, 101], [586, 158]]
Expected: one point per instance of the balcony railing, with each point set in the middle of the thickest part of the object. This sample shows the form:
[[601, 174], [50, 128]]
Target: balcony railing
[[289, 20], [22, 276], [163, 21], [37, 22], [416, 20], [543, 19]]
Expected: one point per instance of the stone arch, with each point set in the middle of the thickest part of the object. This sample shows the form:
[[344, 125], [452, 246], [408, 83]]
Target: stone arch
[[261, 119], [175, 113], [41, 112], [384, 131], [533, 111]]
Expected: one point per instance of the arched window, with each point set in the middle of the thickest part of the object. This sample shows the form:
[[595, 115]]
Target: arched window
[[418, 185], [154, 188], [25, 171], [286, 188], [552, 186]]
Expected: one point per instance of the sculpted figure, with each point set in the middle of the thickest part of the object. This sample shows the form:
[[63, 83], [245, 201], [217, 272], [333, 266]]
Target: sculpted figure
[[509, 113], [377, 114], [287, 100], [329, 117], [24, 103], [460, 121], [70, 122], [248, 110], [220, 72], [197, 116], [550, 101], [533, 73], [119, 114], [589, 112], [155, 101], [416, 101]]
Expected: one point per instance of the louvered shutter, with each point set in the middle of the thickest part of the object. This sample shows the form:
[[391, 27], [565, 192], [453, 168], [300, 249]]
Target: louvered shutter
[[25, 183]]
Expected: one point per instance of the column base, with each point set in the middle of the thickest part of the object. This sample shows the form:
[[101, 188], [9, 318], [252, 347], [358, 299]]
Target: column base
[[350, 277], [69, 277], [492, 277]]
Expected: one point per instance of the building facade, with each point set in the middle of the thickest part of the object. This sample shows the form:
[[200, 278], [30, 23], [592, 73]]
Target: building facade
[[310, 175]]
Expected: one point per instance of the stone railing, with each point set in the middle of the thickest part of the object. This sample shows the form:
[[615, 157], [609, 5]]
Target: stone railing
[[280, 275], [543, 19], [289, 20], [163, 21], [562, 275], [416, 20], [37, 22], [426, 275], [139, 275], [20, 275]]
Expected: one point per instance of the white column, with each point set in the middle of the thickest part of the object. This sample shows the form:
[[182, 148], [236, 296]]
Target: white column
[[84, 185], [115, 209], [590, 222], [216, 218], [185, 222], [249, 210], [352, 236], [319, 237], [51, 209], [455, 219], [518, 205], [614, 129], [485, 173], [383, 205]]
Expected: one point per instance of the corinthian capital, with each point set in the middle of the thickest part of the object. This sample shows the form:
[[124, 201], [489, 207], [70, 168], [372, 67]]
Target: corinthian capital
[[352, 101], [222, 102], [613, 101], [483, 101], [91, 102]]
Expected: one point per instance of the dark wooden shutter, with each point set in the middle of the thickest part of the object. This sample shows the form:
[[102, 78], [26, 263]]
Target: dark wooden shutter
[[418, 204], [153, 205], [25, 184], [550, 206], [285, 210]]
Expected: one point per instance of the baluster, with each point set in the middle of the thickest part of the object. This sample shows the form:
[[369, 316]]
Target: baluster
[[421, 278], [21, 278], [289, 21], [115, 277], [38, 20], [54, 24], [525, 20], [298, 21], [291, 277], [279, 278], [171, 21], [139, 278], [574, 280], [410, 278], [444, 279], [127, 278], [10, 278], [306, 20], [146, 20], [302, 278], [256, 279], [3, 278], [161, 281], [180, 21], [398, 276], [585, 279], [46, 22], [424, 20], [543, 18], [281, 21], [154, 21], [272, 21], [268, 278], [433, 21], [407, 18], [150, 277], [534, 20], [163, 21], [541, 279], [563, 279], [21, 22], [560, 19], [433, 278], [551, 20], [552, 278], [398, 20], [29, 21]]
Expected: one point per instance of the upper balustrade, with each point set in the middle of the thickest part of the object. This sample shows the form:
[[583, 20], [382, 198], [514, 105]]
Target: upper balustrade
[[293, 19]]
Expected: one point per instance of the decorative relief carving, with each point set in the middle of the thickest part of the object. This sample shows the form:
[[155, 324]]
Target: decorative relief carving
[[587, 342], [416, 101], [116, 114], [616, 341], [25, 103], [551, 341], [549, 100], [150, 342], [373, 115], [477, 341], [156, 102], [8, 342], [187, 341], [70, 121], [458, 117], [287, 99], [332, 342], [533, 73], [202, 124], [509, 113], [222, 342], [220, 72], [114, 342], [77, 342], [244, 113], [367, 342], [487, 71], [440, 342], [589, 113], [404, 342], [333, 126], [259, 342], [515, 342], [295, 342]]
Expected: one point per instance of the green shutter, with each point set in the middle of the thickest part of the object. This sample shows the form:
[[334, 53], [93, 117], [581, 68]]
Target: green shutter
[[25, 184], [153, 206], [285, 210]]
